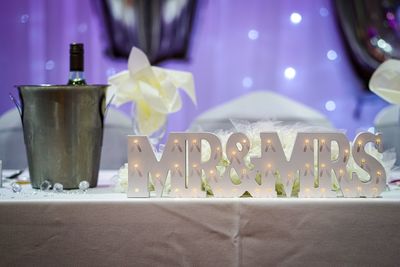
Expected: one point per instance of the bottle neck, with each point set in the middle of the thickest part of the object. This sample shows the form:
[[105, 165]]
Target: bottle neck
[[76, 78], [76, 64]]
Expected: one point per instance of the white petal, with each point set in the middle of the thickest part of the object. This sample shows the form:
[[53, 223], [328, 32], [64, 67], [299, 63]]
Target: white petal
[[124, 88], [385, 82], [148, 119], [183, 80], [137, 61]]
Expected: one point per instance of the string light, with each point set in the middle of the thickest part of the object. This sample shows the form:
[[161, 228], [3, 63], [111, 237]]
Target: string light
[[307, 169], [253, 34], [346, 155], [322, 144], [331, 55], [362, 163], [290, 73], [194, 143], [359, 143], [306, 144], [322, 169], [295, 18], [247, 82], [176, 144], [378, 143], [269, 145]]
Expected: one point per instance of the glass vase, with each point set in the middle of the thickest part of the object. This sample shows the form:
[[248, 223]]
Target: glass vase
[[154, 137]]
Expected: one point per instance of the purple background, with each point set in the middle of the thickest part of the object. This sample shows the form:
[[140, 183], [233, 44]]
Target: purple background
[[226, 63]]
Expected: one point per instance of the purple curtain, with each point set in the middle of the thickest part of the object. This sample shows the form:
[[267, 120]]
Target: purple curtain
[[290, 47]]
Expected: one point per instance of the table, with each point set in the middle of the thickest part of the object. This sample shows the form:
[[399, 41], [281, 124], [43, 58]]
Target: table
[[104, 228]]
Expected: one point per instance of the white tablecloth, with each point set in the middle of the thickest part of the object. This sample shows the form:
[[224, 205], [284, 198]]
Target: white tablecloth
[[103, 228]]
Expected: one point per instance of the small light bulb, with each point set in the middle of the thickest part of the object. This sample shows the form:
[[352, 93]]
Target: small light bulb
[[346, 151], [307, 141], [176, 189], [194, 141], [268, 141], [244, 141], [194, 165], [135, 165], [269, 165], [233, 152], [157, 175], [211, 172], [307, 165], [322, 165], [378, 173], [176, 165], [135, 141], [136, 190], [176, 141]]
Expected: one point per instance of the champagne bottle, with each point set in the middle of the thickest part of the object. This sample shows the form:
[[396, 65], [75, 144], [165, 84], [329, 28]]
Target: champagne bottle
[[76, 64]]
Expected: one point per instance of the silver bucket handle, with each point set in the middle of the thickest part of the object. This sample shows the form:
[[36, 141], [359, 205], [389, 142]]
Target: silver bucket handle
[[108, 105], [16, 103]]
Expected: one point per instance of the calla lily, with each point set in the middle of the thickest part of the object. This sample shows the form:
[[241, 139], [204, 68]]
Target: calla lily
[[154, 90], [385, 82]]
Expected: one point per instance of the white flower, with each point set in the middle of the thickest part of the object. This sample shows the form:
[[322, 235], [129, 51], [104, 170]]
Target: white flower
[[154, 90], [385, 82]]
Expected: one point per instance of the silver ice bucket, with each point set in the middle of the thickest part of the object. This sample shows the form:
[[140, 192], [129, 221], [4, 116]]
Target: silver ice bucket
[[63, 132]]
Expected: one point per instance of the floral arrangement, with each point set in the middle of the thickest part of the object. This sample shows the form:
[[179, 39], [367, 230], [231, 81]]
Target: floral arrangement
[[154, 90]]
